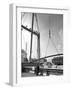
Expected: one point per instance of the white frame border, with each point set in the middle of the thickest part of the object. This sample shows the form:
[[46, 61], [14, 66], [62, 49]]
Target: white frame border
[[14, 73]]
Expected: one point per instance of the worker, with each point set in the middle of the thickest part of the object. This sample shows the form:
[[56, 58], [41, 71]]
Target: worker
[[37, 70]]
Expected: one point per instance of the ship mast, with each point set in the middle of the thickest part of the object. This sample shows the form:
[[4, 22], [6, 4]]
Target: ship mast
[[31, 35]]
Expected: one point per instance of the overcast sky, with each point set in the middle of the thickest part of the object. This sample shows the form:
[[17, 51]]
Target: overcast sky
[[54, 22]]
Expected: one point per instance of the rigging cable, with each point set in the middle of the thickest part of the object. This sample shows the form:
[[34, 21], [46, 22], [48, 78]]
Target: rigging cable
[[52, 43], [37, 22], [22, 16], [46, 48], [50, 38]]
